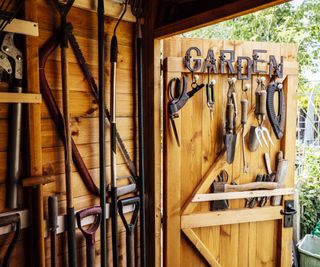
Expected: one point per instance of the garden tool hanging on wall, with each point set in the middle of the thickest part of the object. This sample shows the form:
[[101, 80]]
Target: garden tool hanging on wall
[[260, 132], [113, 138], [130, 226], [277, 120], [178, 97], [210, 94], [52, 226], [138, 10], [230, 136], [63, 9], [244, 118], [15, 222], [90, 232], [11, 61]]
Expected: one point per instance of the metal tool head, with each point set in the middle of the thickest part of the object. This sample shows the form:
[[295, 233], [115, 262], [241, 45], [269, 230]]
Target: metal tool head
[[259, 132], [5, 64], [8, 47], [230, 141], [63, 8], [218, 187], [178, 96], [263, 133], [253, 141]]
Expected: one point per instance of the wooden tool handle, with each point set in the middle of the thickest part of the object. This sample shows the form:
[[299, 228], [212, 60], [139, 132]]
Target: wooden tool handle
[[249, 186], [257, 107], [229, 116], [244, 111], [263, 102]]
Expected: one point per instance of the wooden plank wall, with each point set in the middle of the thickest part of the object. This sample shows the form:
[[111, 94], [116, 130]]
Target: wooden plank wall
[[246, 244], [84, 113]]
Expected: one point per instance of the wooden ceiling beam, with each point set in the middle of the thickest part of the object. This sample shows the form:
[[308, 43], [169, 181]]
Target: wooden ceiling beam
[[212, 16]]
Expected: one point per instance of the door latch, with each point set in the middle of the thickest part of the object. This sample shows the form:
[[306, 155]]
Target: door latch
[[288, 213]]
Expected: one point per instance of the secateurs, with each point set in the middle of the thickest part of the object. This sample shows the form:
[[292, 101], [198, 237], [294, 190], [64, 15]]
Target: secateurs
[[11, 61], [230, 137], [256, 133], [179, 96]]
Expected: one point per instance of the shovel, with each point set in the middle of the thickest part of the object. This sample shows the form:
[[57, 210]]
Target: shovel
[[90, 232]]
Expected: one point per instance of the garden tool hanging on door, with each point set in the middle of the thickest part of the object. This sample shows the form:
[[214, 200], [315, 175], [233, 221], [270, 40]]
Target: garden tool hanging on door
[[260, 132], [277, 120], [179, 96], [210, 94], [230, 137], [244, 118], [15, 222]]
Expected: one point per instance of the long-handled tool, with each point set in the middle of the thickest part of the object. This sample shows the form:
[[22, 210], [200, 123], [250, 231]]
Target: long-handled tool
[[46, 50], [52, 226], [89, 233], [14, 221], [63, 9], [137, 9], [15, 114], [130, 226], [102, 145], [244, 118], [114, 209], [230, 137]]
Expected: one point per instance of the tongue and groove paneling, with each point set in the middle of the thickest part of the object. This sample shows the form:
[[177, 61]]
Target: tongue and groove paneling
[[84, 115], [245, 244]]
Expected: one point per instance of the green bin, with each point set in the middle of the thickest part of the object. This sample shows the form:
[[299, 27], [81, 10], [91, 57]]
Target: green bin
[[309, 250]]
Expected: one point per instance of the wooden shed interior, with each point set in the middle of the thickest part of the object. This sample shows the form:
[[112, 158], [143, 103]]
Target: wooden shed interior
[[42, 171]]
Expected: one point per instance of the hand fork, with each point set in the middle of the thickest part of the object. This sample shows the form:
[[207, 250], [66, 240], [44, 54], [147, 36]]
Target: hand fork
[[262, 131]]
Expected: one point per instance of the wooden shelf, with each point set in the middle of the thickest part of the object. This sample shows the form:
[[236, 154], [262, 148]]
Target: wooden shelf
[[240, 195], [22, 27], [20, 98], [215, 218]]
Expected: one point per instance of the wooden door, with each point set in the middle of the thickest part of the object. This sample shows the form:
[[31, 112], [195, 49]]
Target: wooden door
[[193, 234]]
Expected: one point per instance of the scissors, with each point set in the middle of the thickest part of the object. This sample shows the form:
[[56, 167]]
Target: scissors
[[179, 96]]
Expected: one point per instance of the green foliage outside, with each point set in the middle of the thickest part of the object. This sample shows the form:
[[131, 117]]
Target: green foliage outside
[[308, 184], [287, 23], [296, 22]]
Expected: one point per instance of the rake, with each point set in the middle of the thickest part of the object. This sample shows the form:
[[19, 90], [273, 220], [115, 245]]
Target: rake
[[8, 11]]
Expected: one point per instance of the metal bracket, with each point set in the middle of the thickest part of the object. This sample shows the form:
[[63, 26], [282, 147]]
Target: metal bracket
[[288, 213], [10, 49]]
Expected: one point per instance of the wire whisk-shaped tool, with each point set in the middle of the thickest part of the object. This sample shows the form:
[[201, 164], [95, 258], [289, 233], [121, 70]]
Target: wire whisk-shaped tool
[[8, 11]]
